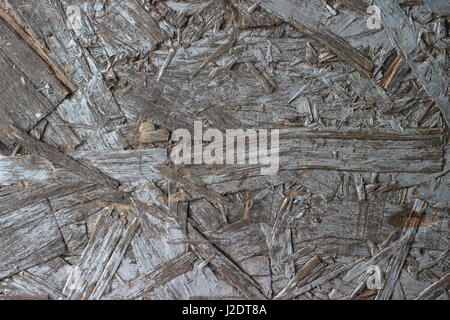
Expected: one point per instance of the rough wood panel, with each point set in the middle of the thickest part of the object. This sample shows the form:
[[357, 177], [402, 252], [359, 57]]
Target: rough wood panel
[[351, 150], [227, 268], [404, 37], [434, 289], [30, 194], [362, 138], [125, 166], [306, 16], [31, 106], [105, 251], [155, 278], [18, 297], [24, 58], [33, 284], [57, 157], [29, 236], [98, 114], [395, 266], [365, 222], [126, 23]]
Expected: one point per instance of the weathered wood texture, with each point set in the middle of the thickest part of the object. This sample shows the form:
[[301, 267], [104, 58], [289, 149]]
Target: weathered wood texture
[[92, 205], [154, 278], [307, 15], [125, 166], [404, 37], [102, 256], [25, 72], [29, 236]]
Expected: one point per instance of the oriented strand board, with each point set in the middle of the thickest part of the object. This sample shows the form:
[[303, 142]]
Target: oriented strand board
[[28, 236], [93, 207]]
